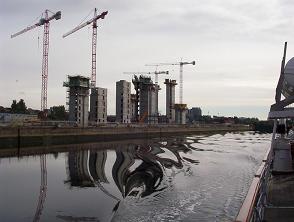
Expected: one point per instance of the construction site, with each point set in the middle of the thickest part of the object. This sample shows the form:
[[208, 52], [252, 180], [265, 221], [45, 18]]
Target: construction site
[[87, 104], [137, 98]]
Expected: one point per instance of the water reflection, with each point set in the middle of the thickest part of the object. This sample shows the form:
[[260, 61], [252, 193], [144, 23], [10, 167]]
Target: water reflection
[[158, 179], [136, 170]]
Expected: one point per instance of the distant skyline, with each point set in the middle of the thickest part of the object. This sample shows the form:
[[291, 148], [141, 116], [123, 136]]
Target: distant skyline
[[237, 46]]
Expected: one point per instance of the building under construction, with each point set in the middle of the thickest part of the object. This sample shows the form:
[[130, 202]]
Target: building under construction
[[123, 101], [133, 108], [98, 105], [170, 100], [78, 99], [180, 113], [146, 105]]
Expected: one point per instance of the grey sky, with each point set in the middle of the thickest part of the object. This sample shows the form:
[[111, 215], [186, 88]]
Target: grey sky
[[237, 46]]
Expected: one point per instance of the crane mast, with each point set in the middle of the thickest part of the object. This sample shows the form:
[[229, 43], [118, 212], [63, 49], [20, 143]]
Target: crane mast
[[94, 41], [46, 22], [181, 84], [181, 64], [45, 64]]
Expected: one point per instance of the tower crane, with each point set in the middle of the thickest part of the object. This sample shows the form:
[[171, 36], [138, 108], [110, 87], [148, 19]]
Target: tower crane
[[45, 20], [92, 21], [181, 64], [156, 73]]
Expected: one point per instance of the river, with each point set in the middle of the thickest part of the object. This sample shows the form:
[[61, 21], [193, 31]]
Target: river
[[179, 178]]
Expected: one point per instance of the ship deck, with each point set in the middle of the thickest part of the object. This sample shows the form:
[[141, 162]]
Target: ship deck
[[280, 198]]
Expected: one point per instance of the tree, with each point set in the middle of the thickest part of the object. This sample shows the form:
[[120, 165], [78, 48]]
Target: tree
[[13, 106], [18, 107], [57, 113]]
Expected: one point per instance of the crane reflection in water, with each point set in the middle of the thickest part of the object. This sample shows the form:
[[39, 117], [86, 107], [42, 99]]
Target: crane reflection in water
[[136, 171]]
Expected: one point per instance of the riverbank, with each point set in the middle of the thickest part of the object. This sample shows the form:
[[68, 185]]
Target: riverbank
[[47, 136]]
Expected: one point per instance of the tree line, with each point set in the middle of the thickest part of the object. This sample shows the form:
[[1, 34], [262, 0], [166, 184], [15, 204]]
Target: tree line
[[54, 113]]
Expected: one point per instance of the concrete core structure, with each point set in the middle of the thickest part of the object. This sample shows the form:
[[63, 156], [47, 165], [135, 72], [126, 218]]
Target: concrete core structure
[[78, 99], [98, 105], [170, 100], [180, 113], [133, 107], [146, 99], [123, 101]]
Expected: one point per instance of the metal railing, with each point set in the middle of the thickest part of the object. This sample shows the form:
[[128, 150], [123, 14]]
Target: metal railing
[[253, 206]]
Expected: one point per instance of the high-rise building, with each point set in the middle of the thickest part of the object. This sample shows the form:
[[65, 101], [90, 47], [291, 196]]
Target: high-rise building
[[78, 99], [170, 100], [123, 101], [98, 105]]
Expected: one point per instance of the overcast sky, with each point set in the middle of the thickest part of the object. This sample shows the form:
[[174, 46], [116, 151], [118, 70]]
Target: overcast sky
[[237, 46]]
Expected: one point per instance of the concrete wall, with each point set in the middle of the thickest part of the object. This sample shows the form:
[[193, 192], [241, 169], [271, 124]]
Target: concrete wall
[[123, 101], [133, 107], [149, 103], [180, 116], [47, 136], [153, 104], [98, 105], [79, 105], [170, 100]]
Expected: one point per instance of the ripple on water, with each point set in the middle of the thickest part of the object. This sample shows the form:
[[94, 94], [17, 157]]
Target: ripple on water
[[195, 178]]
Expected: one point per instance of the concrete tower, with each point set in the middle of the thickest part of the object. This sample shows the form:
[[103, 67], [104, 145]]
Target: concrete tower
[[78, 99], [180, 113], [98, 105], [123, 101], [133, 107], [170, 100], [146, 107]]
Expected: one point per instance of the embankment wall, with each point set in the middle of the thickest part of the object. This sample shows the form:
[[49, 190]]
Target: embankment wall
[[46, 136]]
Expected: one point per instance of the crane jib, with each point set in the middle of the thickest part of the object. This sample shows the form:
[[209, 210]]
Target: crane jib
[[42, 21], [102, 15]]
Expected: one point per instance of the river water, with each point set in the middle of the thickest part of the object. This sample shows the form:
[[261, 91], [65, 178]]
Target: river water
[[180, 178]]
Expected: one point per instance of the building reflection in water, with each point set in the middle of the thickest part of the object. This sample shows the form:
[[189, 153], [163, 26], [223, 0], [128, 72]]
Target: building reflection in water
[[137, 171]]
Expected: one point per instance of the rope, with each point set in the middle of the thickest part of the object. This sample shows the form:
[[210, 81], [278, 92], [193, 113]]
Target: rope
[[86, 17]]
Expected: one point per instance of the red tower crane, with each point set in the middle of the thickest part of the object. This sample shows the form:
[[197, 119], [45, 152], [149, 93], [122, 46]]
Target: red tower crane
[[45, 20], [156, 73], [94, 41], [181, 64]]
